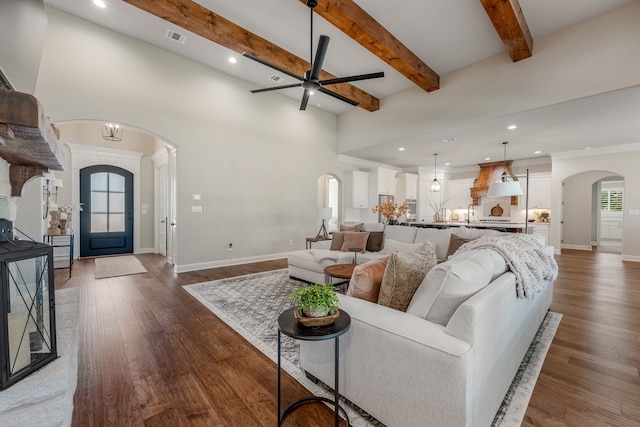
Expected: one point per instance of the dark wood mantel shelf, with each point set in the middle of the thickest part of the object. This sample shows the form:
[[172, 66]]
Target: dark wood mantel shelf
[[28, 141]]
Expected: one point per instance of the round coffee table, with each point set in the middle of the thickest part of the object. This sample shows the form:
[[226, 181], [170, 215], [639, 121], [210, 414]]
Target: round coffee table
[[340, 271], [288, 325]]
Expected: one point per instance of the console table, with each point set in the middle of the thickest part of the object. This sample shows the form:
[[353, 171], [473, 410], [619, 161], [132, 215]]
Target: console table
[[61, 241], [288, 325]]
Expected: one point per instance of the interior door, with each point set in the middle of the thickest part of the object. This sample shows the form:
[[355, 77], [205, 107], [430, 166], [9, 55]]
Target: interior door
[[106, 221]]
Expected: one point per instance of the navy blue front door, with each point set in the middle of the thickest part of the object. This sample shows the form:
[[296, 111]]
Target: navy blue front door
[[106, 220]]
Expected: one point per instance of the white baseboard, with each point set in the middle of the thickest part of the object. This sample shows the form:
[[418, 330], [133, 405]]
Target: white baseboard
[[146, 251], [577, 247], [632, 258], [227, 262]]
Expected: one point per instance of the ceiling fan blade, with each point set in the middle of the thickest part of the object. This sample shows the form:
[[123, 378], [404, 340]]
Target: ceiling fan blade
[[338, 96], [321, 51], [351, 78], [305, 100], [267, 89], [275, 67]]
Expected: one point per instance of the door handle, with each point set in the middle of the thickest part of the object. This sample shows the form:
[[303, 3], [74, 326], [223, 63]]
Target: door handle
[[162, 222], [173, 223]]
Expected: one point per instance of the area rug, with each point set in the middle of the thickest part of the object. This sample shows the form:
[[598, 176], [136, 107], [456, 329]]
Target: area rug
[[117, 266], [251, 305]]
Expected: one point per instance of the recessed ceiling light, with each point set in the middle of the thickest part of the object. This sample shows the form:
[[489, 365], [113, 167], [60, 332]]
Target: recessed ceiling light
[[311, 92], [447, 164], [512, 127], [401, 149], [233, 59], [452, 139], [487, 158], [99, 3], [537, 152]]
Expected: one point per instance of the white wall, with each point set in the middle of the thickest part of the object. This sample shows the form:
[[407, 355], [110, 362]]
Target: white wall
[[253, 159], [620, 160], [592, 57], [23, 26]]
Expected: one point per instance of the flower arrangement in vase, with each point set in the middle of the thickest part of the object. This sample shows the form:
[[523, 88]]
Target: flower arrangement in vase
[[391, 211]]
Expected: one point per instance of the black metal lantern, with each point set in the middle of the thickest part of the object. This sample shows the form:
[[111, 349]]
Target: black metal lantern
[[27, 306]]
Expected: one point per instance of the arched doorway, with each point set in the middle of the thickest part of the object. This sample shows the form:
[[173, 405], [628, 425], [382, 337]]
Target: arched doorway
[[582, 209]]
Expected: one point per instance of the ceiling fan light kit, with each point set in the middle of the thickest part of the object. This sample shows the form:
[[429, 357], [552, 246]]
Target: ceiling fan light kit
[[311, 80]]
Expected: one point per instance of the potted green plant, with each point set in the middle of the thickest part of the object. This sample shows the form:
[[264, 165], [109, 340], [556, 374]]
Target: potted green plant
[[315, 300]]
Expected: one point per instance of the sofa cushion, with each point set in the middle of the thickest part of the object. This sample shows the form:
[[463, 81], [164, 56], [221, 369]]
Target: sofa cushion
[[355, 240], [400, 233], [451, 283], [337, 239], [373, 226], [374, 242], [354, 227], [366, 279], [439, 239], [390, 246], [404, 273]]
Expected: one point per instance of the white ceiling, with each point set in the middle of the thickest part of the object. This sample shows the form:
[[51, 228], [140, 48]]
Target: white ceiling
[[447, 35]]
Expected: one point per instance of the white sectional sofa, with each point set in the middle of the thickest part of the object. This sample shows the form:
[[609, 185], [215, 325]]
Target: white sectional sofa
[[309, 264], [449, 359]]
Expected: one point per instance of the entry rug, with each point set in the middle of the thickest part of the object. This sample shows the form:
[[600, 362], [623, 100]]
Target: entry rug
[[251, 305], [117, 266]]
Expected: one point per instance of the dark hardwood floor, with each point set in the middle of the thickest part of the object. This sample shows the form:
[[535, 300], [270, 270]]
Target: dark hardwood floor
[[151, 355]]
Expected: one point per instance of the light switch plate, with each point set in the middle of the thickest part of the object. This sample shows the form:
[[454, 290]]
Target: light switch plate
[[197, 209], [196, 197]]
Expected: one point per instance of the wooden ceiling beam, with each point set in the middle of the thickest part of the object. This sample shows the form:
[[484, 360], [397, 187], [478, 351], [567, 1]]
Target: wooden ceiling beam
[[509, 22], [352, 20], [199, 20]]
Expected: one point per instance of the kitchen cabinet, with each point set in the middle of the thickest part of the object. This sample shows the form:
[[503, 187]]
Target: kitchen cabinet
[[387, 181], [541, 228], [407, 187], [611, 230], [356, 189], [458, 191], [539, 191]]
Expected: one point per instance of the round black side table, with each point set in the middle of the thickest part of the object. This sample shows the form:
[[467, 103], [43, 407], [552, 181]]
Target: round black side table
[[288, 325]]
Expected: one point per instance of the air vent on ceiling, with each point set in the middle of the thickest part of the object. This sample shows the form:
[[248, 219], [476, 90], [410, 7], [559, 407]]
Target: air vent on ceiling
[[276, 79], [180, 38]]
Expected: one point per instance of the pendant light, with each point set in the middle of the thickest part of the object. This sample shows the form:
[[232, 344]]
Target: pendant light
[[508, 184], [435, 185]]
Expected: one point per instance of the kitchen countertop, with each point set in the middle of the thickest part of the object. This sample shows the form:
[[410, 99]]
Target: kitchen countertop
[[475, 224]]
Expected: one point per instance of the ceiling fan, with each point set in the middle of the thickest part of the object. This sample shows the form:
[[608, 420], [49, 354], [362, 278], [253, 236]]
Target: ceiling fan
[[311, 79]]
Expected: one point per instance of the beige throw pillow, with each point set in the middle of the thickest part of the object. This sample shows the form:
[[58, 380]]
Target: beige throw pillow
[[367, 278], [404, 273], [455, 241], [354, 240], [337, 239]]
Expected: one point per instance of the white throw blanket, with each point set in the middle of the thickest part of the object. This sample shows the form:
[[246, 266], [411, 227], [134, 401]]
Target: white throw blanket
[[525, 256]]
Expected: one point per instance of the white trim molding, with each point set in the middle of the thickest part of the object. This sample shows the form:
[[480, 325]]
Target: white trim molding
[[227, 262]]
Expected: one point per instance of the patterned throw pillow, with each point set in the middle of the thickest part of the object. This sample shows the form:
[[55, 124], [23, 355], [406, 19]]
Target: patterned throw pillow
[[367, 278], [404, 274]]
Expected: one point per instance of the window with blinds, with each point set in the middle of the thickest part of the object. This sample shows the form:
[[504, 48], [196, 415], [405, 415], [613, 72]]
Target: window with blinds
[[611, 200]]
